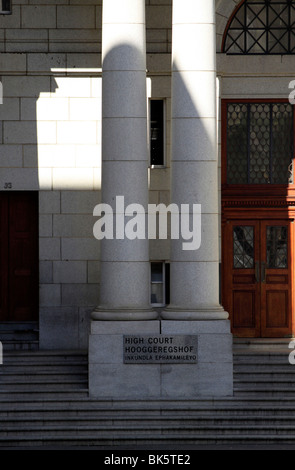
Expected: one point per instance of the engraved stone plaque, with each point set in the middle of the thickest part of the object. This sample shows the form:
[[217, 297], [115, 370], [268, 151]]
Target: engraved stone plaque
[[160, 349]]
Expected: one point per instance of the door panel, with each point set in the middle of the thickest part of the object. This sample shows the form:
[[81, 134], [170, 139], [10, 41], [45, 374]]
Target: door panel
[[276, 279], [3, 258], [21, 246], [242, 293], [257, 277]]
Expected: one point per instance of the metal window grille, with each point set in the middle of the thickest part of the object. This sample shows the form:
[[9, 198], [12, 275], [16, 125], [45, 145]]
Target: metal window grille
[[260, 143], [262, 27], [243, 238]]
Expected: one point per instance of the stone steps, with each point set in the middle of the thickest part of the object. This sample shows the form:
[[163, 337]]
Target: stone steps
[[44, 402], [19, 336]]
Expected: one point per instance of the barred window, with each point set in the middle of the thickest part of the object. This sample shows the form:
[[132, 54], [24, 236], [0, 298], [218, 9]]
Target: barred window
[[261, 27], [259, 143]]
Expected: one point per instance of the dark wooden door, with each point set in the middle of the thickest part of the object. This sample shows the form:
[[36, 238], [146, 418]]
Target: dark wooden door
[[257, 277], [19, 256], [275, 281]]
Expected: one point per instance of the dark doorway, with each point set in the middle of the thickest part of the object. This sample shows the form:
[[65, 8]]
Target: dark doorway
[[19, 286]]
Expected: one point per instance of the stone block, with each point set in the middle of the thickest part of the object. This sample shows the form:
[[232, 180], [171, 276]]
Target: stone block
[[70, 225], [211, 377], [199, 380], [49, 202], [58, 328], [38, 16], [123, 381], [72, 178], [49, 249], [49, 295], [10, 109], [78, 87], [93, 272], [158, 16], [80, 294], [11, 21], [125, 327], [45, 272], [76, 17], [82, 202], [11, 156], [76, 132], [23, 179], [88, 156], [80, 249], [45, 225], [84, 109], [52, 156], [45, 62], [69, 272], [106, 360]]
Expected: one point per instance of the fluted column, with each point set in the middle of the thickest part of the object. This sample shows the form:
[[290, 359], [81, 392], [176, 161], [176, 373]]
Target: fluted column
[[195, 274], [124, 288]]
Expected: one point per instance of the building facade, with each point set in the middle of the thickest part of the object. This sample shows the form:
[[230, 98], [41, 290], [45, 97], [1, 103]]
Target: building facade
[[156, 102]]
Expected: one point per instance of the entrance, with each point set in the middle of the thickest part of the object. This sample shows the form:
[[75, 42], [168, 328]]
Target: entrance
[[19, 256], [258, 277]]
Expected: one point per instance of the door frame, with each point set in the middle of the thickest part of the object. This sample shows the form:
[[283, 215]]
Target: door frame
[[254, 201], [259, 289]]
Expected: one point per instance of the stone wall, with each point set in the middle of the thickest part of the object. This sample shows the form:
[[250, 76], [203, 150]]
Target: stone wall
[[50, 59]]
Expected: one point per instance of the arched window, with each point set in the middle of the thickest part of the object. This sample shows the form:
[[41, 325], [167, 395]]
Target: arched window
[[261, 27]]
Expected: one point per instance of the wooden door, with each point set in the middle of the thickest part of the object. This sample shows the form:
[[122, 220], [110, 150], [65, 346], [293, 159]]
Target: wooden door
[[240, 280], [257, 277], [3, 258], [19, 256], [275, 281]]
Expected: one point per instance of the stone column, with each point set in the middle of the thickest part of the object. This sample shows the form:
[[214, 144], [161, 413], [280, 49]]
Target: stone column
[[195, 274], [125, 278]]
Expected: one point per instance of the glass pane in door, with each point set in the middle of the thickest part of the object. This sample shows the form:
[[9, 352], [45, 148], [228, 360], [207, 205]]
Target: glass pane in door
[[243, 249], [277, 247]]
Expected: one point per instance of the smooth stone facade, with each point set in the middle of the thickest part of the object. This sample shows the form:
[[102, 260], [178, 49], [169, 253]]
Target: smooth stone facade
[[210, 377]]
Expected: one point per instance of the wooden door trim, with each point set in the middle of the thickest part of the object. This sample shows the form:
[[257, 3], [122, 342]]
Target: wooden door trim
[[227, 273]]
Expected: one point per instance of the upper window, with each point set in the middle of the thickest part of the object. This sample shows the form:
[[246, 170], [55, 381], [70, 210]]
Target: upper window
[[261, 27], [259, 142], [6, 7]]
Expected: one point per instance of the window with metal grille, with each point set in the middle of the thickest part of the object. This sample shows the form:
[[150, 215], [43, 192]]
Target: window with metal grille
[[6, 7], [259, 143], [261, 27]]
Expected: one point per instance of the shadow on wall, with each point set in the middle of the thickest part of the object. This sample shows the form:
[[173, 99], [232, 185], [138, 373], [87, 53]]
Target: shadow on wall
[[51, 145]]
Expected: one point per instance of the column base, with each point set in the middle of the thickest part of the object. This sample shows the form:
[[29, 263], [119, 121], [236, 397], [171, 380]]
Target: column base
[[103, 314], [181, 314], [208, 377]]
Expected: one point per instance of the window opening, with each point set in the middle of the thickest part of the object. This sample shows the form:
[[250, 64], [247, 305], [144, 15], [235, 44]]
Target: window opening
[[260, 143], [261, 27], [157, 132], [160, 284], [6, 7]]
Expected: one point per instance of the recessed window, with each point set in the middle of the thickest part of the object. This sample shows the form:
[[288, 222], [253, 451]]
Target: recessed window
[[160, 284], [259, 142], [157, 130], [261, 27], [6, 7]]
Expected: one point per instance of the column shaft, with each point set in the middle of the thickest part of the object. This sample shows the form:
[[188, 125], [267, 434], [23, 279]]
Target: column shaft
[[195, 274], [124, 289]]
